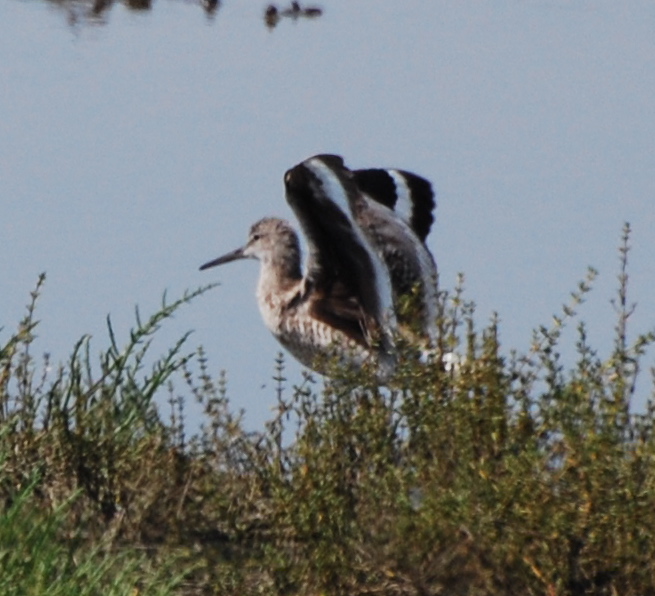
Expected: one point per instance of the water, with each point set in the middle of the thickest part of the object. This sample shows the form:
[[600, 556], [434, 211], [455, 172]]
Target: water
[[138, 145]]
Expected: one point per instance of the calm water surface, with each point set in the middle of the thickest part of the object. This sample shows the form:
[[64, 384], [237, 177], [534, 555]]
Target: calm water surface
[[136, 145]]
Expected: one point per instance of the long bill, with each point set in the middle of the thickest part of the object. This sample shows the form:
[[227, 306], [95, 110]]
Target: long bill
[[231, 256]]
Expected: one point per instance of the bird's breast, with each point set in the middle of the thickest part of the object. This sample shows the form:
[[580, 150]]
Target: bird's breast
[[288, 317]]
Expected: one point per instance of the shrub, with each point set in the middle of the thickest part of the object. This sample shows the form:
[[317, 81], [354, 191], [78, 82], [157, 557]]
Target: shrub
[[501, 473]]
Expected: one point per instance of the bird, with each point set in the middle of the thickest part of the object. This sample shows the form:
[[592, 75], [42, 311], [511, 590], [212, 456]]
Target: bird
[[271, 16], [365, 232]]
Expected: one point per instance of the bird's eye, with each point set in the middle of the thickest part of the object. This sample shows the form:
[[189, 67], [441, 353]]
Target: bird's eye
[[256, 237]]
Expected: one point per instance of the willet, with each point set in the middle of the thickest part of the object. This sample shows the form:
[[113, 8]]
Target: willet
[[363, 256]]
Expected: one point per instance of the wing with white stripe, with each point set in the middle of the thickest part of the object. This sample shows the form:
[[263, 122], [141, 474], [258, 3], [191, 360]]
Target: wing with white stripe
[[409, 195], [342, 263]]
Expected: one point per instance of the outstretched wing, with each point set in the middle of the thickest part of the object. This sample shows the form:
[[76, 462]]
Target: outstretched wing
[[344, 269], [396, 215], [408, 194]]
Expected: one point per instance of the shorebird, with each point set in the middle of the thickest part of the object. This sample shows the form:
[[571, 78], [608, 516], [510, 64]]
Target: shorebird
[[363, 257]]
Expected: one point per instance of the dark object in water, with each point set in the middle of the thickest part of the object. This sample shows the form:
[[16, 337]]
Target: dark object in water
[[139, 4], [296, 11], [271, 16], [210, 6]]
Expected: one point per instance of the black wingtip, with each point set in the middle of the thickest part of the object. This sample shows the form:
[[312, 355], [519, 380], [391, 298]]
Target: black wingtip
[[381, 186], [378, 184], [423, 203], [297, 176]]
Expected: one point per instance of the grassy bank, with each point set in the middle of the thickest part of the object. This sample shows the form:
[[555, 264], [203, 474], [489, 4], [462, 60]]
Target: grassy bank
[[508, 474]]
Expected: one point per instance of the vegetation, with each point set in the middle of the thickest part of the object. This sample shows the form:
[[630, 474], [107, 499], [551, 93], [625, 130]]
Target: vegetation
[[504, 474]]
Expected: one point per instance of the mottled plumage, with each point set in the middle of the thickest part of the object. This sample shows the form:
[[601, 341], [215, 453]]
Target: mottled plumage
[[363, 256]]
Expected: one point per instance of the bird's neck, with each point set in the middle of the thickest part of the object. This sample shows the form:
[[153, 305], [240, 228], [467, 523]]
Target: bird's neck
[[279, 279]]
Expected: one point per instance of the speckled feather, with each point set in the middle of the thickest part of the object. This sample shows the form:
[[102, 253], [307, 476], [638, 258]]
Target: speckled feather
[[362, 257]]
